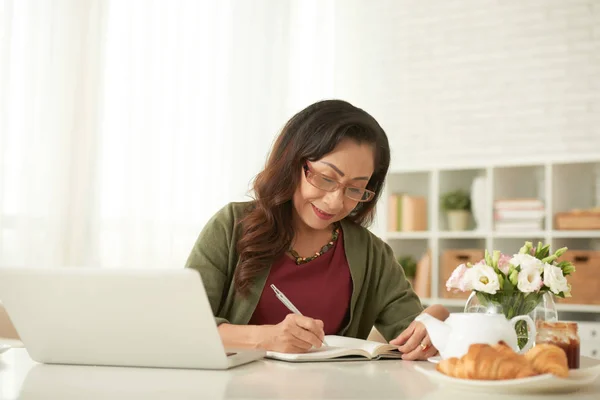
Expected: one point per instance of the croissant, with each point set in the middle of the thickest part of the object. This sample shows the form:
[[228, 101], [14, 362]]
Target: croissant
[[505, 350], [548, 359], [485, 362], [448, 366]]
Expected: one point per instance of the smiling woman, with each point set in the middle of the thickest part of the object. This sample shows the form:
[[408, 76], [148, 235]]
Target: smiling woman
[[305, 233]]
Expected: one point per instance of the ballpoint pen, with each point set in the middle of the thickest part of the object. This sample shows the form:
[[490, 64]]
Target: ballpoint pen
[[290, 306]]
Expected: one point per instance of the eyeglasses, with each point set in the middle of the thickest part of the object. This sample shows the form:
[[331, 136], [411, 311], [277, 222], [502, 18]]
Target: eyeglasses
[[328, 184]]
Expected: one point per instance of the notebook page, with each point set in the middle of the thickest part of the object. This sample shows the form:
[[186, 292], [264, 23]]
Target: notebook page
[[372, 348], [323, 353]]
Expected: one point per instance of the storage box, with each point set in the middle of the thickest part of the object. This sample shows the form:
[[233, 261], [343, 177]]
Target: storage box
[[577, 220], [452, 259], [586, 278]]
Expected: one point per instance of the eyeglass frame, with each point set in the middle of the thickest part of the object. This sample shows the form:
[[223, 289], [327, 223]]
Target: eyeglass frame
[[309, 170]]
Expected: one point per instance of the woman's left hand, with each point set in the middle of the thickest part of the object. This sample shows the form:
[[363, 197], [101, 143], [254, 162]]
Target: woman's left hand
[[414, 343]]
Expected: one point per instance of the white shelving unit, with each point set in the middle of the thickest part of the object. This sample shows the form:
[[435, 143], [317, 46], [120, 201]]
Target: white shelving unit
[[562, 185]]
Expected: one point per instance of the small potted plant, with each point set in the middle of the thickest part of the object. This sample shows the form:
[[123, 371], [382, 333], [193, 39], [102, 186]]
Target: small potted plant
[[457, 205], [409, 264]]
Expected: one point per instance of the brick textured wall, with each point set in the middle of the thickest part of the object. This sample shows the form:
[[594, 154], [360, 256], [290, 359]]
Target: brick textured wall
[[457, 81]]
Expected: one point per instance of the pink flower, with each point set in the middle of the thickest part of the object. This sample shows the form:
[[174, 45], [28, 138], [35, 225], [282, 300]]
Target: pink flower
[[504, 263], [457, 280]]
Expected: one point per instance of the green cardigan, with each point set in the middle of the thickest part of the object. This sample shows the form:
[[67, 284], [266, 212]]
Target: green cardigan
[[381, 295]]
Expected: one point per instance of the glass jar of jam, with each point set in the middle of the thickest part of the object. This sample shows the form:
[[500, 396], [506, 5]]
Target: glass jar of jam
[[562, 334]]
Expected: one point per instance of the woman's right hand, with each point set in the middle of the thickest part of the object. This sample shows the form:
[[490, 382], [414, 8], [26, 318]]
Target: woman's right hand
[[295, 334]]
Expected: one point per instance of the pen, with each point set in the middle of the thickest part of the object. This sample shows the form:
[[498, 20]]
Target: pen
[[290, 306]]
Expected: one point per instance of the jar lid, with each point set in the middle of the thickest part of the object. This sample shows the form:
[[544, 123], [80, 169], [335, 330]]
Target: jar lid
[[562, 325]]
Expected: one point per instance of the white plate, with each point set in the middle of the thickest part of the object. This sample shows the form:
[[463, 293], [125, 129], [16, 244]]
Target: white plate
[[577, 379], [435, 359], [4, 347]]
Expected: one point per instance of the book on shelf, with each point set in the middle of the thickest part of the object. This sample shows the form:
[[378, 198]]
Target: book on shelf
[[519, 204], [407, 213], [519, 214], [422, 281], [512, 226], [516, 214], [342, 348]]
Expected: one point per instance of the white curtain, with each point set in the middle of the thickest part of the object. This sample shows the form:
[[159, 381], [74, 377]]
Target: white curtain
[[124, 125]]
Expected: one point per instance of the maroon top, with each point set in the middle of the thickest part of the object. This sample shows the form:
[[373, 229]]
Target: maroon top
[[319, 289]]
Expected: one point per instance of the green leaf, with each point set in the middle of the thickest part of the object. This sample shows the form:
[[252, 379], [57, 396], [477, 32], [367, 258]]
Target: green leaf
[[508, 287], [495, 259], [538, 250], [514, 277], [568, 269], [544, 252], [482, 297], [488, 258], [511, 268], [525, 249], [560, 251], [409, 264], [530, 301], [456, 200]]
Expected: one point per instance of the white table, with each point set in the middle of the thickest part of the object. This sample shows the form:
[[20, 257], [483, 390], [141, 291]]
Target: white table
[[22, 378]]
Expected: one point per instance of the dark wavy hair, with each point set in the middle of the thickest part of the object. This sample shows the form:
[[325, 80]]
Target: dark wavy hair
[[312, 133]]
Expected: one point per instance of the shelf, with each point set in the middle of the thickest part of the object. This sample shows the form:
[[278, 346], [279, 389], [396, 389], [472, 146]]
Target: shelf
[[463, 234], [576, 234], [485, 234], [574, 158], [519, 235], [409, 235], [562, 184], [591, 308], [460, 303]]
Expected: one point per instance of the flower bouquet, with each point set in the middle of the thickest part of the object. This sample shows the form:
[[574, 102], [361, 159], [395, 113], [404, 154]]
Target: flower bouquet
[[517, 283]]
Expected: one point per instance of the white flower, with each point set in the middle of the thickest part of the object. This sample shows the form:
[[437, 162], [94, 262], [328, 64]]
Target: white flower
[[529, 280], [458, 280], [527, 261], [555, 280], [483, 278]]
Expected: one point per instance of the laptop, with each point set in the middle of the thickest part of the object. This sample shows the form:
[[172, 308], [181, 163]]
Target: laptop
[[117, 317]]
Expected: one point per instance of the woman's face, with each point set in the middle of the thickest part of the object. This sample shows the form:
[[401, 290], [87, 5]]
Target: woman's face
[[350, 164]]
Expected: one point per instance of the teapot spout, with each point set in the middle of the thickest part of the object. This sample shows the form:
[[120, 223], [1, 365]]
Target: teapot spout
[[437, 330]]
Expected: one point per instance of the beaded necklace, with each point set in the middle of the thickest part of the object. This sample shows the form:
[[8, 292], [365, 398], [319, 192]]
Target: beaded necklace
[[303, 260]]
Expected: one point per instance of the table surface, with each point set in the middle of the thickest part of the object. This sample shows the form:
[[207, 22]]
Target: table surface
[[22, 378]]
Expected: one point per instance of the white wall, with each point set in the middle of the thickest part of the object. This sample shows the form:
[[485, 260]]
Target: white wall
[[457, 81]]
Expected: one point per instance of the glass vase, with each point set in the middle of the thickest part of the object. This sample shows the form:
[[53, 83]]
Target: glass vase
[[539, 308]]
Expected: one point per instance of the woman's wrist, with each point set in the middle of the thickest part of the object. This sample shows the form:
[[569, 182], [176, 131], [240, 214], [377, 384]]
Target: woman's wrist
[[438, 311], [243, 336]]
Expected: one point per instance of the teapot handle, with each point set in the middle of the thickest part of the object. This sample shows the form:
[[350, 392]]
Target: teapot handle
[[532, 331]]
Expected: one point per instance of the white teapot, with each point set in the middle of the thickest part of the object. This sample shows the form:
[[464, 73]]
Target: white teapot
[[453, 337]]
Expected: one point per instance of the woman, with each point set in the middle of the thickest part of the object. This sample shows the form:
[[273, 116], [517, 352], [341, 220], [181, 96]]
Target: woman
[[305, 234]]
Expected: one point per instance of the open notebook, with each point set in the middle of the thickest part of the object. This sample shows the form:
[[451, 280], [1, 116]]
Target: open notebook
[[341, 349]]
